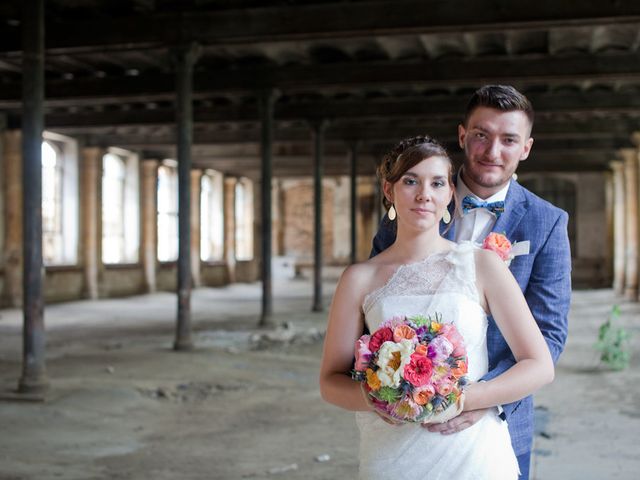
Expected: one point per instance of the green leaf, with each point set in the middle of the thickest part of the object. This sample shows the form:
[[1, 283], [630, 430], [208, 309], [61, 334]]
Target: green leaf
[[420, 320], [388, 394]]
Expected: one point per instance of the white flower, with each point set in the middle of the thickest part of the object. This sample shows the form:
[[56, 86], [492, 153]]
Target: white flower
[[388, 359]]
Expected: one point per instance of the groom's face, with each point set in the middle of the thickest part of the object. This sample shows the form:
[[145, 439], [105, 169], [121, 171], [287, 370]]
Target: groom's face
[[494, 143]]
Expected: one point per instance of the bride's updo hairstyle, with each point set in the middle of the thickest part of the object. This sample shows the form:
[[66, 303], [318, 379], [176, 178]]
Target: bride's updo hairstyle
[[406, 155]]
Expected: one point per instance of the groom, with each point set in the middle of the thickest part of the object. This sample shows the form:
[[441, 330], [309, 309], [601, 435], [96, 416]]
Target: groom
[[496, 137]]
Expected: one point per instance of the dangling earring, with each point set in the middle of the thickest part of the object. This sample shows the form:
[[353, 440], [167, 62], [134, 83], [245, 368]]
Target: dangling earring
[[392, 213], [446, 216]]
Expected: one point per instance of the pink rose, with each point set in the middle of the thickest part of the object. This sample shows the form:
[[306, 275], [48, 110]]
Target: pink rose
[[444, 388], [363, 354], [451, 333], [379, 337], [418, 371]]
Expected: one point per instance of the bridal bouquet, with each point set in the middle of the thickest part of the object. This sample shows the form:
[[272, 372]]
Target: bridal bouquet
[[412, 368]]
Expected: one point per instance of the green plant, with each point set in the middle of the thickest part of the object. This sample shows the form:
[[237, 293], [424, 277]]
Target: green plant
[[613, 342]]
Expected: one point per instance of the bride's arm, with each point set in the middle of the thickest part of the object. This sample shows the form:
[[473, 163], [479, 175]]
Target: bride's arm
[[534, 366], [345, 326]]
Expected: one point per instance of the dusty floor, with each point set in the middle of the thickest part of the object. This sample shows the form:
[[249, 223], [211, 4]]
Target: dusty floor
[[123, 405]]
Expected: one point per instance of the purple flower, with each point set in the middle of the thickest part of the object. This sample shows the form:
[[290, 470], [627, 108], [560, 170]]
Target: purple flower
[[439, 349]]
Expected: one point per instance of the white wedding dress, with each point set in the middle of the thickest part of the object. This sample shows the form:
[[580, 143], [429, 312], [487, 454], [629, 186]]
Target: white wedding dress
[[442, 283]]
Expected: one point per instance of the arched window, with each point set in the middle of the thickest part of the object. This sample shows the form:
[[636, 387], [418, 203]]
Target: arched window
[[244, 219], [59, 200], [168, 211], [560, 192], [211, 216], [120, 208]]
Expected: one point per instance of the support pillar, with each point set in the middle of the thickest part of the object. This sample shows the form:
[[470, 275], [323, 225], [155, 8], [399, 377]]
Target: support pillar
[[149, 239], [267, 101], [281, 221], [91, 174], [34, 379], [3, 129], [619, 234], [230, 227], [318, 148], [12, 188], [196, 179], [353, 150], [630, 159], [185, 59], [378, 194], [378, 205]]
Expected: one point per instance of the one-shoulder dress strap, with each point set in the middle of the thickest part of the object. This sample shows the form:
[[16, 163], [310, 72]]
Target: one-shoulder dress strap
[[462, 276]]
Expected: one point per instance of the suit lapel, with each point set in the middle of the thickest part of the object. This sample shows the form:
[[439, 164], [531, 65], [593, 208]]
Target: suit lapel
[[515, 208]]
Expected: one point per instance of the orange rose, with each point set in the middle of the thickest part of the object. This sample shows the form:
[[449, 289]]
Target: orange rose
[[421, 349], [460, 370], [498, 243], [372, 380], [403, 332], [423, 395]]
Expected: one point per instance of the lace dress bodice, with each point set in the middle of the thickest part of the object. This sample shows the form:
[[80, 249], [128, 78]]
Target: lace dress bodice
[[444, 284]]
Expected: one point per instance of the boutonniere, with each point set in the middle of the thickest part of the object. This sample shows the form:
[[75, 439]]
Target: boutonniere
[[499, 243]]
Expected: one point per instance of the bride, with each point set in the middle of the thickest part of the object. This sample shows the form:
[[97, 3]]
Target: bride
[[423, 273]]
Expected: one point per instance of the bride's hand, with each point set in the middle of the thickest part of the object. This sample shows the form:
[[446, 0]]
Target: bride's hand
[[390, 420], [387, 418], [459, 423]]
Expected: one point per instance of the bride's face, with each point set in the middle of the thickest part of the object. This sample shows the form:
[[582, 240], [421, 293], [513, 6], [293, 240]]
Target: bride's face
[[422, 194]]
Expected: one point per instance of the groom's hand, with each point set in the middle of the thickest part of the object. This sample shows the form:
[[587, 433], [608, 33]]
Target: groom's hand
[[459, 423]]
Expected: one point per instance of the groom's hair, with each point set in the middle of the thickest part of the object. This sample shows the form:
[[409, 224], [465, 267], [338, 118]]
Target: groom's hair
[[500, 97]]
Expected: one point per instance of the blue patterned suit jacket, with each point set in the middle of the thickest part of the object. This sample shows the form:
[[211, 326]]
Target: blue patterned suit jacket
[[544, 275]]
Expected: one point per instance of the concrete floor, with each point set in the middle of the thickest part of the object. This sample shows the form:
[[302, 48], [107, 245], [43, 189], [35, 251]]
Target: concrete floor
[[123, 405]]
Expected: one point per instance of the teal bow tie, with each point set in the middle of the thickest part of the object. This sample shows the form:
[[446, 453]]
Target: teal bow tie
[[469, 203]]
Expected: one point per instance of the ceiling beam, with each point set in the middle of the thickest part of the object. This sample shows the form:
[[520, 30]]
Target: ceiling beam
[[326, 21], [375, 138], [559, 161], [616, 130], [583, 103], [444, 73]]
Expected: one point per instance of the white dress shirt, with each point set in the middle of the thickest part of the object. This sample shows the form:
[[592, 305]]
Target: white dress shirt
[[477, 223]]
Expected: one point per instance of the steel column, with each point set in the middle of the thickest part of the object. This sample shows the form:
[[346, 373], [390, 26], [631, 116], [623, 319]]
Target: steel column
[[318, 141], [267, 100], [185, 59], [353, 150], [33, 380]]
